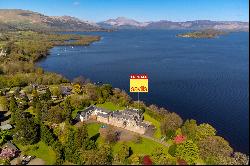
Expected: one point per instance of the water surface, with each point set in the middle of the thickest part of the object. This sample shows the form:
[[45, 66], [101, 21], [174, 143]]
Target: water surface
[[203, 79]]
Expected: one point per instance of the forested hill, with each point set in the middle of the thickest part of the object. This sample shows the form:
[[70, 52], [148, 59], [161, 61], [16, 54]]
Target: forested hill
[[16, 19]]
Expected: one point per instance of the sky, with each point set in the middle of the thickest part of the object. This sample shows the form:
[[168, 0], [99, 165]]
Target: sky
[[141, 10]]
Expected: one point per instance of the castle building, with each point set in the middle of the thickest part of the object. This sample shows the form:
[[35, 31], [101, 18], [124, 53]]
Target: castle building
[[129, 119]]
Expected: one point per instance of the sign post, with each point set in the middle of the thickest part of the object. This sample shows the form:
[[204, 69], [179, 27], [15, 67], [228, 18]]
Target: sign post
[[139, 84]]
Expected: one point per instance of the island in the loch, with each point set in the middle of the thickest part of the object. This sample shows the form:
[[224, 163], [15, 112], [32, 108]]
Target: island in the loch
[[202, 34]]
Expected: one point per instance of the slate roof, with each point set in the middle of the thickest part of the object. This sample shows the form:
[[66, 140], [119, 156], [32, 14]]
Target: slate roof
[[10, 146], [101, 109], [103, 115], [89, 109]]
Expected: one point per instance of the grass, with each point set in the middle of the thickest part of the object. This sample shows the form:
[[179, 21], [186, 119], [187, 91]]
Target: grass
[[31, 111], [110, 106], [146, 147], [40, 150], [74, 113], [93, 128], [154, 122], [93, 131]]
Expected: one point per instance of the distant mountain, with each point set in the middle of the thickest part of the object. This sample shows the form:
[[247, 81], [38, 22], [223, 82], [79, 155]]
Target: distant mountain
[[123, 23], [27, 20], [17, 19]]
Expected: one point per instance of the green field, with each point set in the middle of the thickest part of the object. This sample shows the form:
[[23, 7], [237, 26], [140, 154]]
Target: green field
[[110, 106], [146, 147], [154, 122], [40, 150]]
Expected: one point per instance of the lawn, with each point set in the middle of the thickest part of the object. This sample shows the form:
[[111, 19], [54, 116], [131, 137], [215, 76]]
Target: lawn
[[154, 122], [40, 150], [110, 106], [146, 147], [93, 131], [93, 128]]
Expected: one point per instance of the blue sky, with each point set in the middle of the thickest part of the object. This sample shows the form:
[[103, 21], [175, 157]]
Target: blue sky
[[142, 10]]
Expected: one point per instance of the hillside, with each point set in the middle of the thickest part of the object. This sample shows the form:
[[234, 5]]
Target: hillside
[[122, 23], [16, 19]]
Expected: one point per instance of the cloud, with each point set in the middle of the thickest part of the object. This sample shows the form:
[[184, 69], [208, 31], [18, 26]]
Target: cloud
[[76, 3]]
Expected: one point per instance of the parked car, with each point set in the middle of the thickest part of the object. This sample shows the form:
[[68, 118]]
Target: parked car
[[24, 156]]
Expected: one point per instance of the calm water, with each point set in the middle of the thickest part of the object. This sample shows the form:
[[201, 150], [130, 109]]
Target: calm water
[[203, 79]]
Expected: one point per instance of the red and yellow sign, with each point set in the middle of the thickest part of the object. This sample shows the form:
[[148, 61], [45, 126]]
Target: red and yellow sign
[[138, 83]]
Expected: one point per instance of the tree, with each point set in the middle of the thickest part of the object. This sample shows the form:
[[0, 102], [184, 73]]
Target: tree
[[110, 135], [197, 132], [71, 151], [56, 92], [67, 110], [204, 130], [13, 104], [59, 150], [5, 135], [214, 146], [241, 158], [55, 114], [160, 157], [77, 88], [26, 131], [179, 139], [46, 96], [189, 129], [147, 160], [136, 159], [81, 137], [105, 155], [171, 121], [187, 151], [123, 153], [106, 91], [81, 80], [38, 111], [3, 103], [46, 135]]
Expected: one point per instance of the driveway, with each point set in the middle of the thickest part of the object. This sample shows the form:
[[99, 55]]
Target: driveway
[[36, 161]]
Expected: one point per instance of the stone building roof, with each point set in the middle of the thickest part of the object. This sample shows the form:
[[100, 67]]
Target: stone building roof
[[103, 115], [10, 146]]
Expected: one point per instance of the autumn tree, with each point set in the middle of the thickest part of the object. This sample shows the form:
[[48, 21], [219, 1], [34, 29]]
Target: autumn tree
[[110, 135], [241, 158], [187, 151], [123, 153], [171, 121], [213, 146], [55, 114], [100, 156], [4, 104], [189, 129], [160, 157]]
